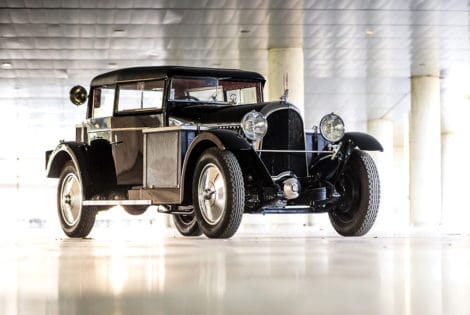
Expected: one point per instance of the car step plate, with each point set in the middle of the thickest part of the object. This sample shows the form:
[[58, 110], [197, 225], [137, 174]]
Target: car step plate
[[117, 202]]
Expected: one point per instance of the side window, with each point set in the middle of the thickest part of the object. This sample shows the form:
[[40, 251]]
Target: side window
[[103, 102], [141, 95]]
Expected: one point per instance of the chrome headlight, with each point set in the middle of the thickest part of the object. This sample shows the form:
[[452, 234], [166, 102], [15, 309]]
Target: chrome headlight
[[254, 125], [332, 127]]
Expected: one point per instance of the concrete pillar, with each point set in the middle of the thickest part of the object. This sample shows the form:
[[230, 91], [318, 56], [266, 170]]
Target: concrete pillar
[[290, 62], [401, 174], [425, 151], [455, 173], [382, 129]]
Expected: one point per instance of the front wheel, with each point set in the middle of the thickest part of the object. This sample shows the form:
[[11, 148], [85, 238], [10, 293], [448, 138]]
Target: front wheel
[[218, 193], [75, 219], [359, 187]]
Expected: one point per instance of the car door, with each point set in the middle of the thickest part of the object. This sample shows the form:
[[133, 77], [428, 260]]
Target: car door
[[118, 115], [138, 107]]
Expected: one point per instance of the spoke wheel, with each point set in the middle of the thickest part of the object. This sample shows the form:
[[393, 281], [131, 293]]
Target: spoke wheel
[[218, 193], [76, 220], [359, 187]]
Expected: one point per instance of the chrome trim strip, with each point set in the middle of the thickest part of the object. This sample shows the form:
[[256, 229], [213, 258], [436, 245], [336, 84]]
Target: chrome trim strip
[[297, 207], [118, 129], [281, 106], [149, 130], [117, 202], [294, 151], [173, 128], [223, 125]]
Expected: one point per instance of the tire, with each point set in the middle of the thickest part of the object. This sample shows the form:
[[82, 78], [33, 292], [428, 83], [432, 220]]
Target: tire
[[359, 187], [75, 219], [218, 193], [187, 224]]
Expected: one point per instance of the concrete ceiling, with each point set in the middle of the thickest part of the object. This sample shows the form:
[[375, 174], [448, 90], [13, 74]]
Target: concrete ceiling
[[359, 55]]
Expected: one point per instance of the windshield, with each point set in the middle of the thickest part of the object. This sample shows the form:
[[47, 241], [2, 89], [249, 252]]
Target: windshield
[[215, 90]]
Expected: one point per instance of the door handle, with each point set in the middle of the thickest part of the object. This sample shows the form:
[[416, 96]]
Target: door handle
[[116, 141]]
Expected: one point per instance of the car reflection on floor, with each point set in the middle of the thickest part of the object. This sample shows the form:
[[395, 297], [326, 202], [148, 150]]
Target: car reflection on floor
[[139, 271]]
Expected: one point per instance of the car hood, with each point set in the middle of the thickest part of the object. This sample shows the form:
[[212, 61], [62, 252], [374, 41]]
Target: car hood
[[216, 113]]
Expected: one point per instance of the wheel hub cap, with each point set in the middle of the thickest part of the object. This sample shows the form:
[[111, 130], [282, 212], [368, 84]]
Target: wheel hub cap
[[67, 199], [70, 199], [211, 193]]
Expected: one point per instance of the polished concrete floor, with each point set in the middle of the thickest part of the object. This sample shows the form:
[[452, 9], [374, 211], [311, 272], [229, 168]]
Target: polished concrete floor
[[139, 270]]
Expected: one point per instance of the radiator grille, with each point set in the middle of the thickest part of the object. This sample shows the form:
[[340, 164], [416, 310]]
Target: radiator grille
[[285, 132]]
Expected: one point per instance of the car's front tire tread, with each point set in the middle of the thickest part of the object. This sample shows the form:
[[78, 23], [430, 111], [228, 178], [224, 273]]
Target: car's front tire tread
[[374, 194], [366, 214], [235, 190], [236, 180]]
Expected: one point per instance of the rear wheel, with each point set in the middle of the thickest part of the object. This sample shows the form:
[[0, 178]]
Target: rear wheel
[[75, 219], [187, 224], [359, 187], [136, 210], [218, 193]]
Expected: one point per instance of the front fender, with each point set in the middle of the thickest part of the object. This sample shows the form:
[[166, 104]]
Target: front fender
[[69, 151], [224, 140], [363, 140], [93, 162]]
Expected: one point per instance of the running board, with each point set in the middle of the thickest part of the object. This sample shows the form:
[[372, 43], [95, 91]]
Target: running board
[[117, 202]]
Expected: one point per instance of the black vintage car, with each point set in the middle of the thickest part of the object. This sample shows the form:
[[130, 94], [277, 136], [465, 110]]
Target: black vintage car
[[203, 145]]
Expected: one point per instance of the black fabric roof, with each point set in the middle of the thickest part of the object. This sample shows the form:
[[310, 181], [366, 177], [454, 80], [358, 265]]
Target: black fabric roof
[[137, 73]]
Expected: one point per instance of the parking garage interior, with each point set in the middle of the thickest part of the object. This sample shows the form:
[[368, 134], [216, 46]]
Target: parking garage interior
[[398, 70]]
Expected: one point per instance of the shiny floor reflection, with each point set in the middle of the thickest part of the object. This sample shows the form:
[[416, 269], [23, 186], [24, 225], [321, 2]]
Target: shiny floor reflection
[[262, 273]]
